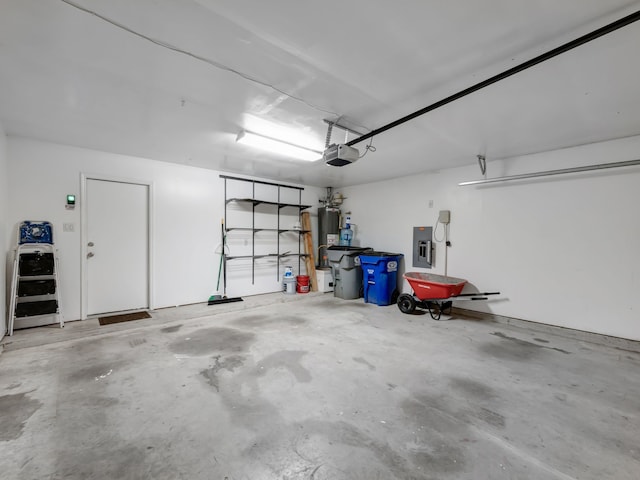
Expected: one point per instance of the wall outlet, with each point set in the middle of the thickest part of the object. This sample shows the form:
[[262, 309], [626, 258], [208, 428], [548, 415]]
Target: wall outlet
[[68, 227]]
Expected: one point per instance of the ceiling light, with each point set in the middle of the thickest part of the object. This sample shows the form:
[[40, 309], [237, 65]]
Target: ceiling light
[[278, 146]]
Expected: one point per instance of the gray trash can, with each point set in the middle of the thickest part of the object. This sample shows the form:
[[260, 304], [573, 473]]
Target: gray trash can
[[347, 274]]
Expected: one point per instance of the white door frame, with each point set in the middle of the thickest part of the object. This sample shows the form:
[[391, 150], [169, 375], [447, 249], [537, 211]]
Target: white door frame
[[84, 234]]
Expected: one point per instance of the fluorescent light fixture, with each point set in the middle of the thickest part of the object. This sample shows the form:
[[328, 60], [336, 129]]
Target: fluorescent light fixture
[[278, 146]]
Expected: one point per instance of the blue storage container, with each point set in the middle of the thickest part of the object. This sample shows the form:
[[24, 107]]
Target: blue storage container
[[380, 276]]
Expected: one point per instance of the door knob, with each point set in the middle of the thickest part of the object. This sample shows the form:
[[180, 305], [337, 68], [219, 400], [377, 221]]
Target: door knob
[[90, 254], [90, 244]]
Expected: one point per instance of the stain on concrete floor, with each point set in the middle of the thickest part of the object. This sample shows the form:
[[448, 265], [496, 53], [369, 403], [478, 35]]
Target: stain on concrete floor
[[211, 340], [364, 362], [430, 413], [524, 343], [136, 342], [94, 372], [114, 458], [15, 410], [229, 364], [286, 359], [468, 387], [256, 321], [490, 417], [172, 329], [514, 349]]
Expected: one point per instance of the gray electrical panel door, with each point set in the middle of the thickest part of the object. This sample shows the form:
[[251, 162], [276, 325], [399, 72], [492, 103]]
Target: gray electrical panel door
[[423, 247]]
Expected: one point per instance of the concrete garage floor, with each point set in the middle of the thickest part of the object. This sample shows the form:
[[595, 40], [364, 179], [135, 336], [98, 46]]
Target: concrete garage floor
[[315, 388]]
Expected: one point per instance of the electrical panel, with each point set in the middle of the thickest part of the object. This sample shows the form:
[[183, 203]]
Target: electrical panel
[[423, 247]]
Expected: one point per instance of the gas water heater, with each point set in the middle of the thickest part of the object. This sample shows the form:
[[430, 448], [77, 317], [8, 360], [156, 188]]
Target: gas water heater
[[328, 232]]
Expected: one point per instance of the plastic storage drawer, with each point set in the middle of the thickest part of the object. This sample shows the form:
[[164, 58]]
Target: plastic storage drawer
[[31, 309], [32, 264], [29, 288]]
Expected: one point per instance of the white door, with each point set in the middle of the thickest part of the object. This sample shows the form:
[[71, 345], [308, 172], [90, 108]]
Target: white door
[[117, 238]]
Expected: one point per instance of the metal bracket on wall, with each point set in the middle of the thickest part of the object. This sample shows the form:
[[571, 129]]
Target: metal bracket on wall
[[482, 161], [346, 130]]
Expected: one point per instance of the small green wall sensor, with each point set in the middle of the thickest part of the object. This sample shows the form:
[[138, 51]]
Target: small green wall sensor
[[71, 202]]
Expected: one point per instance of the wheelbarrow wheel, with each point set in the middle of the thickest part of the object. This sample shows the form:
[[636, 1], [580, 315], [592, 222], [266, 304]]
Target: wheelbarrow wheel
[[406, 303]]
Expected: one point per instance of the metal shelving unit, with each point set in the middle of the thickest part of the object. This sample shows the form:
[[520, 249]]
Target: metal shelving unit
[[278, 230]]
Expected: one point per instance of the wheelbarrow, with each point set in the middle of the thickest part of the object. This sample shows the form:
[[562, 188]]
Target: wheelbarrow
[[435, 293]]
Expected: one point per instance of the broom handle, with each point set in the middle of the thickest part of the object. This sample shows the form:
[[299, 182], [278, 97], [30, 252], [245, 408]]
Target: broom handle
[[224, 258], [219, 272]]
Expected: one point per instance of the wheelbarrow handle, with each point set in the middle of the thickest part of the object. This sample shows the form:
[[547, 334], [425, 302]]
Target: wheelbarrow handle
[[479, 294]]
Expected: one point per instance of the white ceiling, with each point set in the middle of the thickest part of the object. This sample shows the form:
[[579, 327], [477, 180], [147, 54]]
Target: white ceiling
[[85, 73]]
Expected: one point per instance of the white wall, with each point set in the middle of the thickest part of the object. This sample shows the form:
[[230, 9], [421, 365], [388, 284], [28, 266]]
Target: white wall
[[4, 235], [188, 207], [563, 250]]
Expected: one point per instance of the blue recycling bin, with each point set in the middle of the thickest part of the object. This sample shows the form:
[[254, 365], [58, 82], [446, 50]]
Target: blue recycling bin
[[380, 276]]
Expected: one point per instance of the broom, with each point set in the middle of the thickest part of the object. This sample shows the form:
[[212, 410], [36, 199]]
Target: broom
[[216, 299]]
